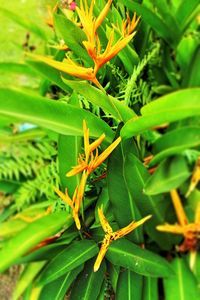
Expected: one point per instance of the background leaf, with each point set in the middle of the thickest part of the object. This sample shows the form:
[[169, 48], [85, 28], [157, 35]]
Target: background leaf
[[170, 174], [182, 285], [57, 116], [126, 254]]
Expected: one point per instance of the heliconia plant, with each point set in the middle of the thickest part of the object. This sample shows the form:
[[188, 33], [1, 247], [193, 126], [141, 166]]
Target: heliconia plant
[[104, 197]]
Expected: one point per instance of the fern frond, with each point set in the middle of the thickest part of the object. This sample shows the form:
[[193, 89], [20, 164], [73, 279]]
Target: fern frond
[[41, 187], [138, 71], [24, 159]]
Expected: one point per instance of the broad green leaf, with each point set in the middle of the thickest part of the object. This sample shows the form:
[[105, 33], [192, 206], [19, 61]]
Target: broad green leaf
[[88, 284], [126, 254], [22, 136], [169, 108], [27, 277], [167, 16], [55, 115], [114, 272], [57, 289], [194, 76], [185, 51], [170, 174], [173, 143], [150, 289], [49, 73], [109, 104], [121, 194], [48, 251], [31, 236], [25, 23], [68, 259], [137, 175], [11, 227], [129, 286], [73, 36], [182, 285], [69, 148], [153, 20], [185, 11], [18, 68]]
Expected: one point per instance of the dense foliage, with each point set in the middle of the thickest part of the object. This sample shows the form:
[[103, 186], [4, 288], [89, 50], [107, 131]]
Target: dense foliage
[[100, 153]]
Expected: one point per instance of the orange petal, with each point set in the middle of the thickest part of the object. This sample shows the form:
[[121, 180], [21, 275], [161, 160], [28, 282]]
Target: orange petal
[[126, 230], [64, 197], [106, 153], [104, 223], [181, 216], [102, 14], [102, 252]]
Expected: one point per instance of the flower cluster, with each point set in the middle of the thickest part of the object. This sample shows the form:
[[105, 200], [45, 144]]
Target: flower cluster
[[113, 236], [92, 44], [190, 231], [87, 163]]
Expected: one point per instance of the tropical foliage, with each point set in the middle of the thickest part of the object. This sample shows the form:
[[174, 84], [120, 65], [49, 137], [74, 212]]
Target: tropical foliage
[[100, 153]]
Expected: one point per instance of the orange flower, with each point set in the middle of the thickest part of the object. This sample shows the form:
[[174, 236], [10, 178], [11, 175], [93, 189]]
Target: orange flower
[[113, 236], [190, 231], [92, 161], [85, 166]]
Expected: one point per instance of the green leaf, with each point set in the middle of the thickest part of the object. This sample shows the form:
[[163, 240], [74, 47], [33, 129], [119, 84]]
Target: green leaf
[[137, 175], [55, 115], [31, 236], [183, 285], [170, 174], [26, 278], [129, 286], [167, 16], [68, 259], [150, 289], [194, 76], [185, 11], [25, 23], [173, 143], [153, 20], [121, 194], [18, 68], [114, 272], [126, 254], [49, 73], [88, 284], [57, 289], [109, 104], [73, 36], [169, 108], [69, 148]]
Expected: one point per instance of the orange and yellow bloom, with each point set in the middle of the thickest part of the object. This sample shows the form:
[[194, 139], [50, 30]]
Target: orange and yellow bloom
[[87, 163], [113, 236], [92, 43], [190, 231]]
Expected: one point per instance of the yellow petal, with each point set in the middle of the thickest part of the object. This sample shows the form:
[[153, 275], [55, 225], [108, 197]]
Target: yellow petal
[[176, 229], [180, 213], [104, 223], [102, 14], [66, 66], [106, 153], [126, 230], [197, 214], [64, 197], [102, 252], [96, 143], [76, 170], [76, 220]]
